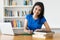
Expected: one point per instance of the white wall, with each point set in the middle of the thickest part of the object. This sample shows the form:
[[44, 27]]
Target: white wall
[[1, 10], [52, 12]]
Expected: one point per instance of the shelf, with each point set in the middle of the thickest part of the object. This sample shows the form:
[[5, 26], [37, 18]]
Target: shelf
[[16, 10], [15, 17], [22, 6], [18, 28]]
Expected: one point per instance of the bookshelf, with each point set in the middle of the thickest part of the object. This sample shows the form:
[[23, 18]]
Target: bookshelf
[[15, 12]]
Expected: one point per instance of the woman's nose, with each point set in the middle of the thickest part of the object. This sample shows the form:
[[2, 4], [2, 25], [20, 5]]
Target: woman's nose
[[36, 11]]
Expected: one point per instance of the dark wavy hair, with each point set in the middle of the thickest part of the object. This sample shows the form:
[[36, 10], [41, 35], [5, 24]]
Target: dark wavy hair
[[42, 9]]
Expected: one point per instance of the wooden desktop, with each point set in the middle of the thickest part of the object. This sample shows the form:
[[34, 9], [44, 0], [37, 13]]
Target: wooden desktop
[[27, 37]]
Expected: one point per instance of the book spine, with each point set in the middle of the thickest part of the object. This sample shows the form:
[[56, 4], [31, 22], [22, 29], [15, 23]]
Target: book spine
[[18, 24], [18, 13], [25, 2], [10, 2], [14, 23], [6, 2]]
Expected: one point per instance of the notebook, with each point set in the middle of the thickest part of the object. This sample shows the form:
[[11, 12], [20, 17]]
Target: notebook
[[43, 34]]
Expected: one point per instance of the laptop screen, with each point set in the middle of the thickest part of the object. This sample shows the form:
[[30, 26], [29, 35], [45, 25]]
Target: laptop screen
[[6, 28]]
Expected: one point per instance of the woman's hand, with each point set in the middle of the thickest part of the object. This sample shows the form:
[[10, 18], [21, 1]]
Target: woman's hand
[[38, 30], [29, 31]]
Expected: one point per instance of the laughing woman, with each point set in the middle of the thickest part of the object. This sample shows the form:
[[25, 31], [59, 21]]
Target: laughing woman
[[35, 20]]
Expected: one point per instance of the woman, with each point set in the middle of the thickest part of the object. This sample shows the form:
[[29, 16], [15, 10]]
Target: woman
[[36, 19]]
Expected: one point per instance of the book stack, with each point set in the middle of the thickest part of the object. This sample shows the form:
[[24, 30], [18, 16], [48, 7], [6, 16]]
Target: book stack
[[43, 34]]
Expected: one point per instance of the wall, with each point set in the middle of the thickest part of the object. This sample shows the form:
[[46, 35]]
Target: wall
[[1, 11]]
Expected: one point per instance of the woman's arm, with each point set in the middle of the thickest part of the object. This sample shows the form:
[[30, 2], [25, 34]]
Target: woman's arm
[[47, 26], [26, 28], [43, 29], [25, 25]]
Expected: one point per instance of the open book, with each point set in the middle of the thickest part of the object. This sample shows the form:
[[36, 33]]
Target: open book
[[43, 34]]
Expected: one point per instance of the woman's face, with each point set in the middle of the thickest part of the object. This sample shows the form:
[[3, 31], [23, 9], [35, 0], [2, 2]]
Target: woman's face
[[37, 10]]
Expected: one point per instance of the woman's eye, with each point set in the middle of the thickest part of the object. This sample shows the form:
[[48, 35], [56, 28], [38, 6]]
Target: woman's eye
[[35, 8], [39, 9]]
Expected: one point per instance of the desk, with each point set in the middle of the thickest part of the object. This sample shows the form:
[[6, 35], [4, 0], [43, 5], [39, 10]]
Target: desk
[[28, 37]]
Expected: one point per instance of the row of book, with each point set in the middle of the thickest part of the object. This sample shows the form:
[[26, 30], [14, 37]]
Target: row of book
[[16, 13], [27, 2], [19, 2], [16, 23], [43, 34]]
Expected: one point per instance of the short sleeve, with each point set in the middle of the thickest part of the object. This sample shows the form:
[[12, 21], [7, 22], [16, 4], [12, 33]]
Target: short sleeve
[[27, 16], [43, 20]]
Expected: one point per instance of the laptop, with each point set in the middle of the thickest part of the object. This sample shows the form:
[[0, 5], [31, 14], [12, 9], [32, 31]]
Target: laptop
[[6, 28]]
